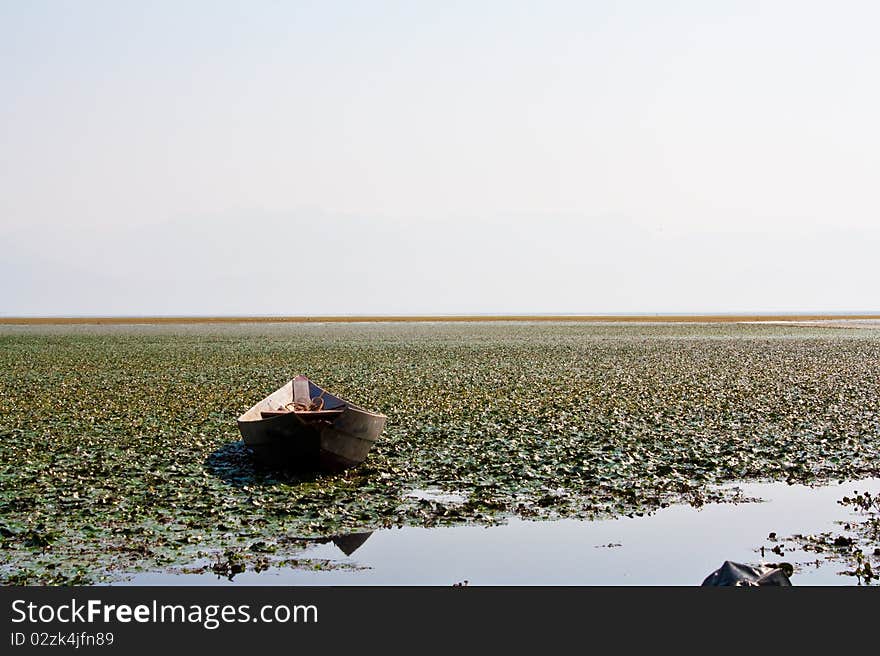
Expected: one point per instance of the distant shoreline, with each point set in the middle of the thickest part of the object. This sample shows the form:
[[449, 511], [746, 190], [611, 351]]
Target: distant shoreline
[[633, 318]]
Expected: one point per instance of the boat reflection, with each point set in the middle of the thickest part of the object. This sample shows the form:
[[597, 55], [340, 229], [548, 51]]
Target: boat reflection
[[351, 542], [348, 543]]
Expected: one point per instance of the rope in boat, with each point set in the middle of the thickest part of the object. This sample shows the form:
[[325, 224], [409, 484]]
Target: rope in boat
[[313, 406]]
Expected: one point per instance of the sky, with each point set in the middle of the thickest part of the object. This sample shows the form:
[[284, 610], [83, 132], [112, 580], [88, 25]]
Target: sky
[[323, 158]]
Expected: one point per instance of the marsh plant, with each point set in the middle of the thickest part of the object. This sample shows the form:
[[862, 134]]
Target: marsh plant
[[119, 449]]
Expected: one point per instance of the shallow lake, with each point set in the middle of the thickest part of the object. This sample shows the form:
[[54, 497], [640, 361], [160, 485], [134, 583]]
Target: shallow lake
[[678, 545], [543, 427]]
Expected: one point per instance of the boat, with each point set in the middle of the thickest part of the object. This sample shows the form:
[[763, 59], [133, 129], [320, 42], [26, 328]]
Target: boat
[[303, 427]]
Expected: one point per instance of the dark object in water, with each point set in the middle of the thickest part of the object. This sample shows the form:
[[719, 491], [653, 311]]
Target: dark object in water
[[307, 428], [737, 574], [348, 543]]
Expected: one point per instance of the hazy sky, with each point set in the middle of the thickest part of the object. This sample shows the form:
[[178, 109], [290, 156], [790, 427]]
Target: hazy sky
[[438, 157]]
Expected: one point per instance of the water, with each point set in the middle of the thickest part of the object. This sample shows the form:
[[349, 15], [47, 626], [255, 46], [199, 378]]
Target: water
[[679, 545]]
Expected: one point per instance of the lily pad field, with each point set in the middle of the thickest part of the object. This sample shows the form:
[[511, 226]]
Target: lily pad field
[[119, 450]]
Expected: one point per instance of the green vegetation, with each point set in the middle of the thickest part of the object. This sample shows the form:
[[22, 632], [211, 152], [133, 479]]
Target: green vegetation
[[119, 449]]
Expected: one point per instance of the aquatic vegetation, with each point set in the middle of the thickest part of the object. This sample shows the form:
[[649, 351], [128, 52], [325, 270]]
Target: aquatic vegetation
[[857, 544], [119, 449]]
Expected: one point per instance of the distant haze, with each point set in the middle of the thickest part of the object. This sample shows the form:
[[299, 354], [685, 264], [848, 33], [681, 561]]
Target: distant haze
[[304, 158]]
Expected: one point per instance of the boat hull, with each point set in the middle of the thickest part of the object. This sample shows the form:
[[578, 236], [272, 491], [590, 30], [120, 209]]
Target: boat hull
[[291, 441]]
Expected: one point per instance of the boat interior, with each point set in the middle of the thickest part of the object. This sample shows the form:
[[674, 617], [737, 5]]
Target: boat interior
[[283, 401]]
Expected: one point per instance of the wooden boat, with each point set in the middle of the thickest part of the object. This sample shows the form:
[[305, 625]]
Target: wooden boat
[[301, 426]]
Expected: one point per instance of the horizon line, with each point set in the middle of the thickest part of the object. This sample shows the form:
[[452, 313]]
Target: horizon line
[[716, 317]]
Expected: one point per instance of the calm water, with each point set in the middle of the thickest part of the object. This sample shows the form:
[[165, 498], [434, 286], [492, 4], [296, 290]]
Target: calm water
[[679, 545]]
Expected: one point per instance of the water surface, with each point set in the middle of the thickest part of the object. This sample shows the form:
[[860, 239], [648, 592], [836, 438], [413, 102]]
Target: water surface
[[679, 545]]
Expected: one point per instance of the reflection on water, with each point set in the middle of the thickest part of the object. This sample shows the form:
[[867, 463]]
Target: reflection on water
[[438, 496], [348, 544], [678, 545]]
